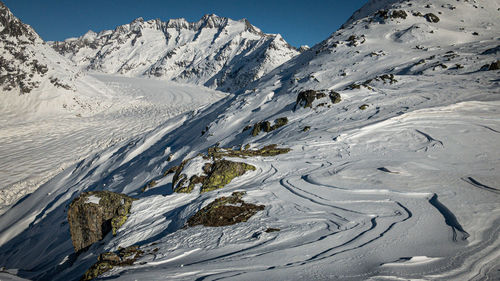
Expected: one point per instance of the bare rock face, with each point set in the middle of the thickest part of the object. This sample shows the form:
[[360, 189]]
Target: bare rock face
[[225, 211], [94, 214]]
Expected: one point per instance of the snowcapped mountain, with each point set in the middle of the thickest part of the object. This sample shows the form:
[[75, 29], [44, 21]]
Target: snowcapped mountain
[[372, 155], [216, 52], [25, 60], [35, 79]]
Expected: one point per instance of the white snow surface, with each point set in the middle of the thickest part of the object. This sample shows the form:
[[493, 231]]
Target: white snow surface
[[407, 188], [215, 51], [38, 143]]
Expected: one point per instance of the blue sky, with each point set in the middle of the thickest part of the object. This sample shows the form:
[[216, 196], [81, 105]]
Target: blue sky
[[305, 22]]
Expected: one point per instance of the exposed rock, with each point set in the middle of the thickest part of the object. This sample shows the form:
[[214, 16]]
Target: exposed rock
[[335, 97], [364, 106], [223, 172], [148, 186], [280, 122], [354, 40], [225, 211], [399, 14], [94, 214], [109, 260], [266, 126], [261, 126], [306, 128], [491, 51], [266, 151], [430, 17], [214, 172], [494, 65], [306, 98], [248, 127], [271, 229], [217, 175]]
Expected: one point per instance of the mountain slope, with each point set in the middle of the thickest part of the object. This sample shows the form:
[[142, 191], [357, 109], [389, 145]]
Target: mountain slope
[[216, 52], [52, 114], [398, 180]]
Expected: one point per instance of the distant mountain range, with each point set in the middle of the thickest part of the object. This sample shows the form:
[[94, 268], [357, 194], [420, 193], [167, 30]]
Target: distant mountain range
[[216, 52]]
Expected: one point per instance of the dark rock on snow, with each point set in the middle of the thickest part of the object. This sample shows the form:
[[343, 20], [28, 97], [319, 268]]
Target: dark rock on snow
[[94, 214]]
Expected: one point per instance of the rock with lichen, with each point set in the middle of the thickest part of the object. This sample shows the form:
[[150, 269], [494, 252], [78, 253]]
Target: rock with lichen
[[94, 214], [223, 172], [212, 171], [267, 127], [213, 175], [225, 211], [109, 260]]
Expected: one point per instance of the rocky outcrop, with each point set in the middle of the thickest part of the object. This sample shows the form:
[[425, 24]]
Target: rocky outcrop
[[225, 211], [494, 65], [267, 127], [109, 260], [306, 98], [215, 175], [25, 61], [94, 214], [17, 63]]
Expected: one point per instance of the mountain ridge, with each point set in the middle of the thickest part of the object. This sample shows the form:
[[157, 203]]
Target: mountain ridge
[[216, 52]]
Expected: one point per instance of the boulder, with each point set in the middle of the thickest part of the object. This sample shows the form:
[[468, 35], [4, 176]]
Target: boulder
[[430, 17], [109, 260], [223, 172], [94, 214], [494, 65], [335, 97], [225, 211]]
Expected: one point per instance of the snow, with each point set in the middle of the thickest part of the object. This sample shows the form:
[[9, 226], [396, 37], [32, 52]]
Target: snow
[[37, 145], [215, 51], [406, 189], [93, 199]]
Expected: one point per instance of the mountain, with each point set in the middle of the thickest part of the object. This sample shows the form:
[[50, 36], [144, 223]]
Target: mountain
[[216, 52], [25, 60], [53, 114], [372, 155]]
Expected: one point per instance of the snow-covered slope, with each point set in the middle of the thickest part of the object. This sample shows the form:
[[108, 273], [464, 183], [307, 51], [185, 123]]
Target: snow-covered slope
[[36, 148], [397, 181], [52, 114], [35, 80], [215, 51]]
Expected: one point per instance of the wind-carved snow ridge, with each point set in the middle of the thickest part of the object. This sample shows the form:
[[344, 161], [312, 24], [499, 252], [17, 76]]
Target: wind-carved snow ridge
[[392, 172], [216, 52]]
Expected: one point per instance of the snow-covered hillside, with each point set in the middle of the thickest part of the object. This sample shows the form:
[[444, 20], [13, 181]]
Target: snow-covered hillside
[[52, 114], [215, 51], [398, 179], [36, 148]]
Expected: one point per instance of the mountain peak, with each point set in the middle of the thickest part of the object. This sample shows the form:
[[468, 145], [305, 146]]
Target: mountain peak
[[212, 21], [12, 26]]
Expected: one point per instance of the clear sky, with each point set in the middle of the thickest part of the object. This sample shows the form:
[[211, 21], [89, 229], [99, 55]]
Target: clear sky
[[304, 22]]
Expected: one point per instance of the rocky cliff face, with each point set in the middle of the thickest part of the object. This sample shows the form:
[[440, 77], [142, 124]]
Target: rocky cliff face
[[24, 58], [17, 65], [215, 51], [94, 214]]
